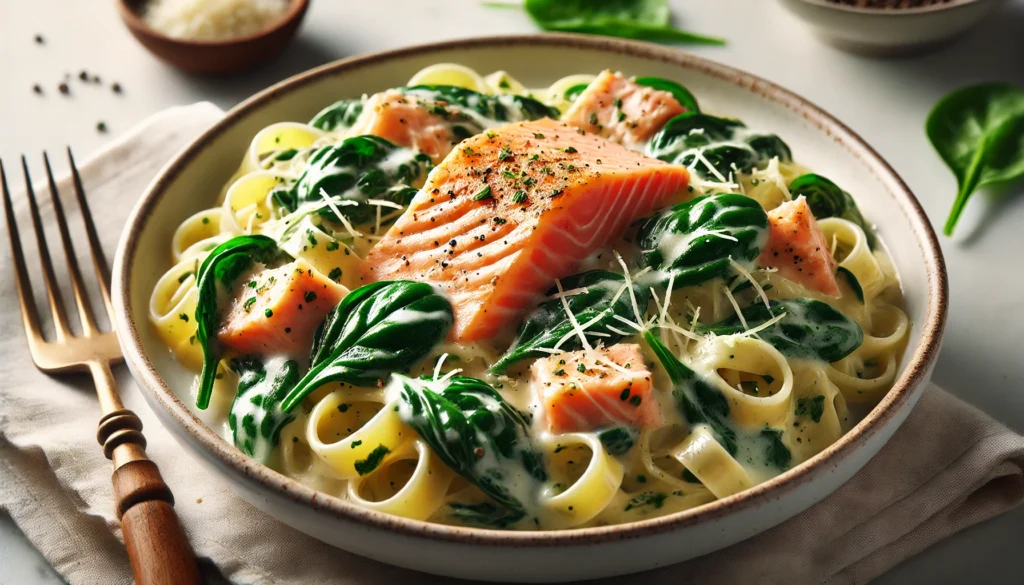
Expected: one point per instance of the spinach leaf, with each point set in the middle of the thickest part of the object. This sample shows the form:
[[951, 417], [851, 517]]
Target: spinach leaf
[[694, 240], [655, 499], [285, 155], [826, 199], [339, 115], [477, 434], [711, 145], [256, 418], [360, 168], [618, 440], [813, 407], [776, 453], [858, 291], [811, 328], [372, 461], [224, 265], [574, 92], [979, 132], [546, 325], [375, 330], [486, 514], [682, 95], [698, 400], [632, 19], [452, 102]]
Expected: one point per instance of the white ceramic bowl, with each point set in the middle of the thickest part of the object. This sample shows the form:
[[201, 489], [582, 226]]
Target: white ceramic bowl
[[191, 181], [890, 31]]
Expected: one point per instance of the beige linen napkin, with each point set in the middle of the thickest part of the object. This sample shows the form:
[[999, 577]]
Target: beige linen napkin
[[950, 466]]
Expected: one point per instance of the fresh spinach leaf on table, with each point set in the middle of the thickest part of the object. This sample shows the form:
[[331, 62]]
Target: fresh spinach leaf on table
[[646, 20], [979, 132]]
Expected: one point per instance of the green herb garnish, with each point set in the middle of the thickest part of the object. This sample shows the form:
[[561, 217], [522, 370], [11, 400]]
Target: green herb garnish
[[979, 132]]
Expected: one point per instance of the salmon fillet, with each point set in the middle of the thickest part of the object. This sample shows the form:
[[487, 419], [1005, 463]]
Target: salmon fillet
[[511, 210], [797, 248], [600, 396], [278, 310], [622, 111], [404, 121]]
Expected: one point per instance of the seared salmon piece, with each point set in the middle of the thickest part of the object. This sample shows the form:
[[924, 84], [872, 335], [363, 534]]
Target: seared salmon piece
[[404, 121], [513, 209], [623, 111], [278, 310], [589, 390], [797, 248]]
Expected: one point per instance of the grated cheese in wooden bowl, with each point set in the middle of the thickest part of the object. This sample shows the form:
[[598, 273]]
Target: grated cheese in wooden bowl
[[212, 20]]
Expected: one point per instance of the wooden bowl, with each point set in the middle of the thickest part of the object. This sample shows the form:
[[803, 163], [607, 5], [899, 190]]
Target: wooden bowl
[[203, 57]]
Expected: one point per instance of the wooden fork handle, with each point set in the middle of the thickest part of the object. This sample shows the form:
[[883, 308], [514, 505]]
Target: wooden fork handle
[[160, 553]]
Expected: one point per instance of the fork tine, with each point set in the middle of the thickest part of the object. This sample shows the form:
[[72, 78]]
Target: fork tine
[[81, 295], [99, 261], [21, 280], [60, 318]]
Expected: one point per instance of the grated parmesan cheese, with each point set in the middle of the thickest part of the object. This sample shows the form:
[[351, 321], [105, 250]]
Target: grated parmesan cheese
[[735, 305], [212, 20], [572, 318], [750, 278], [344, 220]]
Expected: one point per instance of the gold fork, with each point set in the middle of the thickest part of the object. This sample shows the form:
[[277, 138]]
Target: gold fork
[[159, 552]]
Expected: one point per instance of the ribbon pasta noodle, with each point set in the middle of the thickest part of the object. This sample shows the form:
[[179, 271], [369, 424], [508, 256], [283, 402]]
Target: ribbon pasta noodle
[[660, 392], [853, 254], [707, 459], [588, 494], [740, 355]]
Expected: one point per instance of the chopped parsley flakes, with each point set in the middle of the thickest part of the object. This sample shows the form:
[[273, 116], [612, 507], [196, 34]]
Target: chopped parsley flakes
[[372, 461], [483, 194]]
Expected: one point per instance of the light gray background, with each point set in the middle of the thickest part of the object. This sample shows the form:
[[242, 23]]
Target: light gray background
[[886, 101]]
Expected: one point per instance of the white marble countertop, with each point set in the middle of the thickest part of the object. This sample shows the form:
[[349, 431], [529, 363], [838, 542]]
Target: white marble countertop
[[886, 101]]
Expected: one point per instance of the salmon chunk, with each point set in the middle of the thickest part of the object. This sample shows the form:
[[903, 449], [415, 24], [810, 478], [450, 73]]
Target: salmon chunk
[[797, 248], [278, 310], [588, 390], [623, 111], [511, 210], [403, 120]]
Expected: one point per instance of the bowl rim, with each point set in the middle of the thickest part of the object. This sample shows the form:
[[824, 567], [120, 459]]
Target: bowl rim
[[248, 470], [894, 12], [133, 20]]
